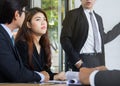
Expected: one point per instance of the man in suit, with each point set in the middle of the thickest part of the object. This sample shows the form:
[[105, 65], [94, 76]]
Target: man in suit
[[12, 14], [83, 37], [99, 77]]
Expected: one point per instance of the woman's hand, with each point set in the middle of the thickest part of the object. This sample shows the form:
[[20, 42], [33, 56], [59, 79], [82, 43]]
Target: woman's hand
[[60, 76]]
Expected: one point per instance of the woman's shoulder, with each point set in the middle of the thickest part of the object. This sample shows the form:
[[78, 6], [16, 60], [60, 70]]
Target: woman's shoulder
[[21, 43]]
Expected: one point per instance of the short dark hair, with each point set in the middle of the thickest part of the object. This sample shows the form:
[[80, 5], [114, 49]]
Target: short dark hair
[[8, 8]]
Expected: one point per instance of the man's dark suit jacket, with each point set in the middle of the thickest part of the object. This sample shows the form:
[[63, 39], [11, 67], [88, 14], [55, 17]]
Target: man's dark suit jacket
[[108, 78], [75, 31], [38, 60], [11, 66]]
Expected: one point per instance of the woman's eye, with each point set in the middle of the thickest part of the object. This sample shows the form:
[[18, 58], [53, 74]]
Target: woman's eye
[[37, 19]]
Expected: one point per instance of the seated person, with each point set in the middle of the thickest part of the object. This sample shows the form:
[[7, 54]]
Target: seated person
[[99, 76], [33, 44]]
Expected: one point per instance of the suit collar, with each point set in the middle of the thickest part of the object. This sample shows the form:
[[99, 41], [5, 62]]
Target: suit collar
[[7, 30], [6, 35], [4, 32], [81, 9], [81, 12], [8, 40]]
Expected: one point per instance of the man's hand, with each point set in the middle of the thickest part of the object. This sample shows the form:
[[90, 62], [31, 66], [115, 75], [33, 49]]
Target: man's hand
[[47, 77], [84, 75], [78, 64]]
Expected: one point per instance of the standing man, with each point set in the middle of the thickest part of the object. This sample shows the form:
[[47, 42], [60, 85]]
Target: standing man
[[83, 37], [12, 14]]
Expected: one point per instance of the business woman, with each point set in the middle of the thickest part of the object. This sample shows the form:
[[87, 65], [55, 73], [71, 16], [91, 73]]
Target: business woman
[[33, 43]]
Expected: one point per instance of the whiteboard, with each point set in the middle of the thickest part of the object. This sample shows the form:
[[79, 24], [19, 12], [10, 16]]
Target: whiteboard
[[109, 11]]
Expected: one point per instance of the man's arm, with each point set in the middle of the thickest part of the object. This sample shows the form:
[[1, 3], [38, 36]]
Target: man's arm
[[85, 73], [67, 37], [107, 78], [112, 34]]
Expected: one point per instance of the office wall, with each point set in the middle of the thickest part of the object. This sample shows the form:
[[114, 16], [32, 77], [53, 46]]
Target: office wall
[[109, 10]]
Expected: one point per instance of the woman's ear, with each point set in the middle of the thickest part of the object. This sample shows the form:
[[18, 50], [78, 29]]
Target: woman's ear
[[28, 25]]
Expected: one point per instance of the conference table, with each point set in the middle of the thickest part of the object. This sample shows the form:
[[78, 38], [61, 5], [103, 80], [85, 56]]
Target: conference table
[[25, 84], [49, 83], [31, 84]]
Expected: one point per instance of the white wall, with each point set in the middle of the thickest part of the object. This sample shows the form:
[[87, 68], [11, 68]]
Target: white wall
[[109, 10]]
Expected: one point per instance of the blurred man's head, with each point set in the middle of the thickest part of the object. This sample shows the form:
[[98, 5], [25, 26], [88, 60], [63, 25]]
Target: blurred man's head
[[87, 4], [12, 11]]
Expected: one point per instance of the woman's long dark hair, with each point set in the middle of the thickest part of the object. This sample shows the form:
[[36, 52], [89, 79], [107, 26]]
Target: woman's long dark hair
[[24, 34]]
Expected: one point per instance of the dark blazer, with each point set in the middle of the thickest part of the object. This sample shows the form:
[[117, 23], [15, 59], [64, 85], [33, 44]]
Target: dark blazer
[[108, 78], [11, 66], [75, 31], [38, 60]]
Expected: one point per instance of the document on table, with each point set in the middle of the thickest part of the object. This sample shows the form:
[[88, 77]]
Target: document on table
[[73, 81], [71, 78]]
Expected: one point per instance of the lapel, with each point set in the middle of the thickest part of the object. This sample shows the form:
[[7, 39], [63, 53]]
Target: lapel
[[82, 15], [84, 23], [36, 58], [36, 61], [7, 37], [84, 20]]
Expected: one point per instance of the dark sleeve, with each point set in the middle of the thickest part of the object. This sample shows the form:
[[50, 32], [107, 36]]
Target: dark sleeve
[[66, 37], [11, 66], [108, 78], [22, 48], [112, 34]]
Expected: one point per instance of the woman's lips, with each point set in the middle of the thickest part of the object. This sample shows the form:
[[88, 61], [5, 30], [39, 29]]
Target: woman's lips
[[43, 27]]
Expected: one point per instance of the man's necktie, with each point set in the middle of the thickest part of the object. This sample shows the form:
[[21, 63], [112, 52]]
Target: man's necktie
[[95, 34], [12, 38]]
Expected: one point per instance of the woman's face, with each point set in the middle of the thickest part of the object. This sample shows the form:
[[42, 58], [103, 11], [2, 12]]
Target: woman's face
[[38, 24]]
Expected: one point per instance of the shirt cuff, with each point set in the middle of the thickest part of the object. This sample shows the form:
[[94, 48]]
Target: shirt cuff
[[41, 75], [92, 78], [79, 62]]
